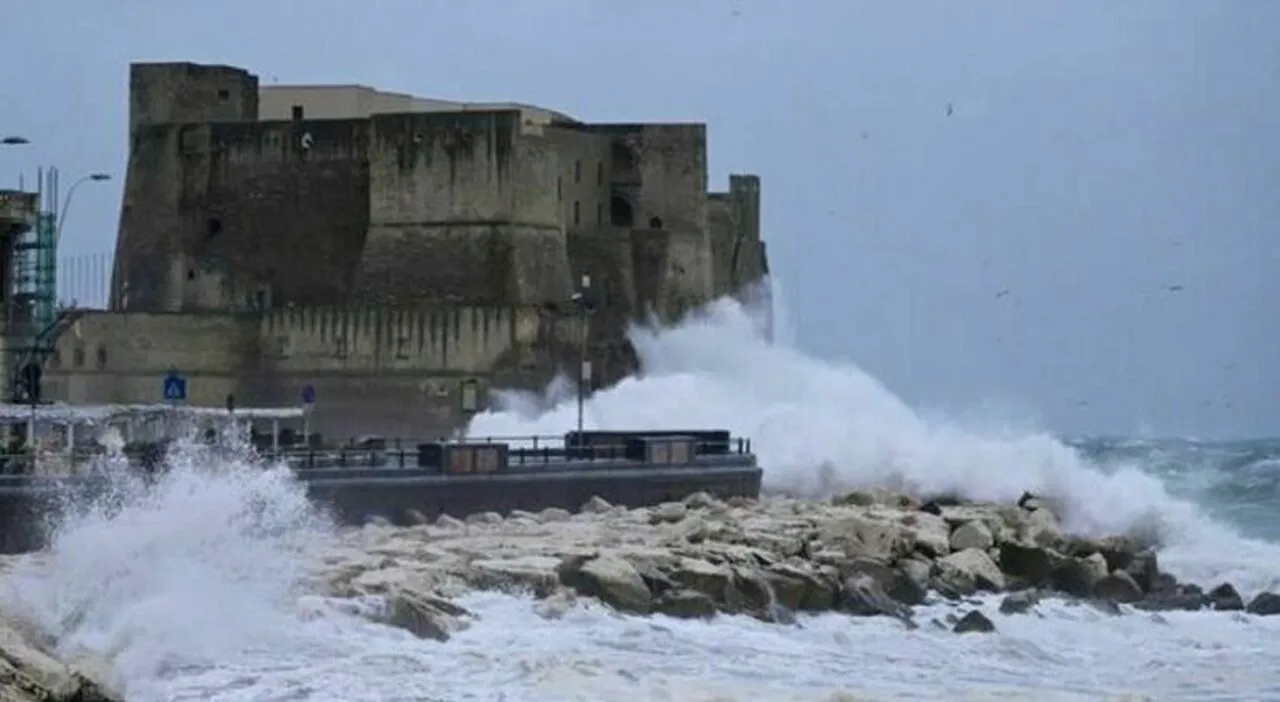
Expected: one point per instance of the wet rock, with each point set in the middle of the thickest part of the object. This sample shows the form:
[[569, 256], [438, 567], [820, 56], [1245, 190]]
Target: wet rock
[[932, 533], [415, 517], [868, 537], [551, 515], [862, 596], [556, 605], [711, 579], [484, 518], [974, 622], [857, 498], [595, 505], [1264, 604], [28, 674], [668, 513], [1185, 600], [701, 500], [537, 574], [1145, 570], [1119, 587], [1224, 598], [444, 521], [423, 615], [609, 579], [799, 588], [970, 570], [1106, 607], [1077, 577], [1032, 565], [686, 604], [1019, 602], [971, 535]]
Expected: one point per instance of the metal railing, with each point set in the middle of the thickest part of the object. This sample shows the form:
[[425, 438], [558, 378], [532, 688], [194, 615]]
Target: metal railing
[[518, 452]]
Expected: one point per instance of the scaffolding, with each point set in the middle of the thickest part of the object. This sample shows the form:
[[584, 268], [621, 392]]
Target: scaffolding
[[35, 269]]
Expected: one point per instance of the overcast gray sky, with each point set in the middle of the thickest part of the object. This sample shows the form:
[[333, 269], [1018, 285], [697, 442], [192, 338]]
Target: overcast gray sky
[[1098, 152]]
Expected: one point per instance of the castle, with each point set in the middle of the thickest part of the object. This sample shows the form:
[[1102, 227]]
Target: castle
[[397, 255]]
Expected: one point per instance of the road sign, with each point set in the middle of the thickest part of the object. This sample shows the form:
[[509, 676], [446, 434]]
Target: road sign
[[174, 387], [308, 394]]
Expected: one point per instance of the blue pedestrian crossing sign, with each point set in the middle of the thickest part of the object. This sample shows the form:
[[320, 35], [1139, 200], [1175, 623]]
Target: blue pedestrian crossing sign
[[174, 387]]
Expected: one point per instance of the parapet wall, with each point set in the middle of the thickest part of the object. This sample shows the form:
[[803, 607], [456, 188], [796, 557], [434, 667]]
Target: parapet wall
[[442, 339], [106, 357], [375, 370]]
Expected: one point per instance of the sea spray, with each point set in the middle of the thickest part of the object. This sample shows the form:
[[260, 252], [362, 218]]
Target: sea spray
[[189, 582], [186, 567], [820, 427]]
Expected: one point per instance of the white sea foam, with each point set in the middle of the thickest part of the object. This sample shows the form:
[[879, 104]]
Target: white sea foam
[[821, 427], [191, 586]]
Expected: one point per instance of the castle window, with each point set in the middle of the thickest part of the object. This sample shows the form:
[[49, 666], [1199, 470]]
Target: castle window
[[77, 357], [295, 112], [624, 159], [577, 171], [620, 214], [655, 223], [223, 95], [212, 227], [102, 357], [191, 274], [577, 213]]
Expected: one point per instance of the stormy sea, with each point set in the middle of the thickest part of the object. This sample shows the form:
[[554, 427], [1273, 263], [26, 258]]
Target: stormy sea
[[187, 603]]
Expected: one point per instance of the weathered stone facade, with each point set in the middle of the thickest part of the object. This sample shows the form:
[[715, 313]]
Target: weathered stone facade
[[385, 248]]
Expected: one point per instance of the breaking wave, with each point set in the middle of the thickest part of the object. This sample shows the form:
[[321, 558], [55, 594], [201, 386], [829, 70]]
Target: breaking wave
[[193, 584], [821, 427]]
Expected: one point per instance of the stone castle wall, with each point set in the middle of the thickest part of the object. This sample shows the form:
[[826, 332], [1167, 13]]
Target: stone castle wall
[[386, 258]]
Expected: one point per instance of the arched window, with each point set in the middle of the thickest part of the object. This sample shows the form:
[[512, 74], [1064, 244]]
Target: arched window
[[620, 214]]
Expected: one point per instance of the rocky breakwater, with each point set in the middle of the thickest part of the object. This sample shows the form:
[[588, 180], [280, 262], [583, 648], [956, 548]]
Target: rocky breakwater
[[864, 553], [29, 673]]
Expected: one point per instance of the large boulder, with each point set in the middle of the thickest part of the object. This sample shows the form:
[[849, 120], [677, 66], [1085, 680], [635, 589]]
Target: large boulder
[[609, 579], [863, 596], [424, 615], [970, 570], [1264, 604], [862, 536]]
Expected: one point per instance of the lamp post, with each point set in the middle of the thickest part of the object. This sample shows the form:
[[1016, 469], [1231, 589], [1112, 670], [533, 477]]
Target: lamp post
[[584, 307], [66, 201]]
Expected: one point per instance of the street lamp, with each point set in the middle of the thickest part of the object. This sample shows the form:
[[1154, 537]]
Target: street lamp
[[14, 141], [584, 307], [66, 202]]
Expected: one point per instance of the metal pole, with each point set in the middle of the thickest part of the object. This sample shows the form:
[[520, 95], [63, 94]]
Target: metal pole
[[584, 366]]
